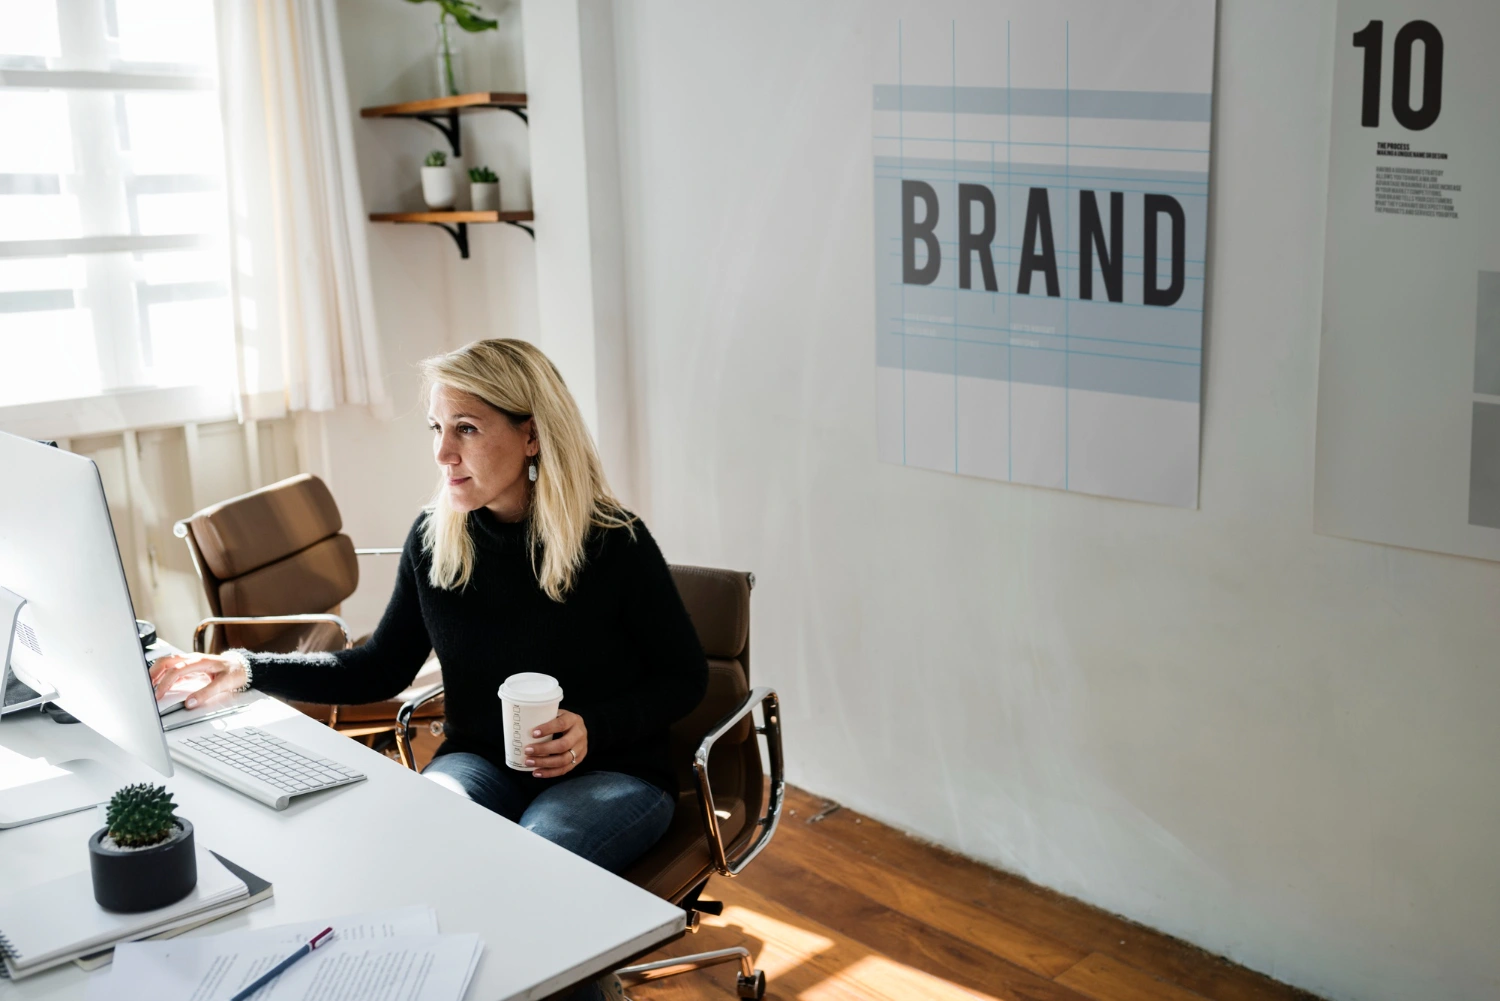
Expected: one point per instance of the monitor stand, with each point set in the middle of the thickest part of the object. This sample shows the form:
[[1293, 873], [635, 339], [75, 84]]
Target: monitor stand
[[56, 790], [67, 787]]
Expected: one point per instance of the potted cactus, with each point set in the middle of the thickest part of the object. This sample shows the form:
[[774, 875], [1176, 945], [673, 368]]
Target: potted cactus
[[484, 189], [144, 857], [437, 181]]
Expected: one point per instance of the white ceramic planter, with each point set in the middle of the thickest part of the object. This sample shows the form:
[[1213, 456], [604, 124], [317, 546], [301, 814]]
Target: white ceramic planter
[[484, 197], [437, 187]]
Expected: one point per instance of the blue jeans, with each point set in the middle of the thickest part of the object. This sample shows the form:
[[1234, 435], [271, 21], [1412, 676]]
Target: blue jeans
[[606, 817]]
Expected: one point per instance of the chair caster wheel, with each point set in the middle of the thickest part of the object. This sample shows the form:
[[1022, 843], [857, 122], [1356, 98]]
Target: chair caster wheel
[[753, 988]]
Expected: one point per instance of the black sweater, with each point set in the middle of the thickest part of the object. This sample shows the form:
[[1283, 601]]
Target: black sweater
[[621, 645]]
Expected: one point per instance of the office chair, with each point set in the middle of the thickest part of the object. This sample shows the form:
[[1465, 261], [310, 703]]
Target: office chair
[[275, 567], [724, 817]]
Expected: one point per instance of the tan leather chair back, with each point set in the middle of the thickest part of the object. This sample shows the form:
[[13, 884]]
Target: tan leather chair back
[[718, 602], [279, 550]]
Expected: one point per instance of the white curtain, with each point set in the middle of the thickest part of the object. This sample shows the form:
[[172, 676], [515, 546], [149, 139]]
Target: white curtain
[[304, 313]]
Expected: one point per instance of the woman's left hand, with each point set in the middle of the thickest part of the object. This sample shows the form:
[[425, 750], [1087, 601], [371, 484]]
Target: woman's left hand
[[550, 758]]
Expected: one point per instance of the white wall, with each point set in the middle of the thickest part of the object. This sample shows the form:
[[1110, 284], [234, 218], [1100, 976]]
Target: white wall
[[1277, 745], [427, 299], [579, 268]]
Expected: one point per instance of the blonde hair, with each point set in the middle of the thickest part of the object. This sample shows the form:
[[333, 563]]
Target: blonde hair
[[570, 495]]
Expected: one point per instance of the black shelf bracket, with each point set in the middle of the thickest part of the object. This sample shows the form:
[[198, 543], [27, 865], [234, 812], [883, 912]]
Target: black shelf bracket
[[460, 234], [447, 124]]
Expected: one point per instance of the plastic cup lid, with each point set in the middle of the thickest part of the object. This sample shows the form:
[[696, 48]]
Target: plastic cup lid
[[529, 686]]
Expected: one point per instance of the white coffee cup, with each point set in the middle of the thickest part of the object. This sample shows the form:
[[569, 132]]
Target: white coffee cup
[[527, 700]]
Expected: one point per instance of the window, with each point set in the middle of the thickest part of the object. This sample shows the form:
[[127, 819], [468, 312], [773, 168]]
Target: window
[[113, 260]]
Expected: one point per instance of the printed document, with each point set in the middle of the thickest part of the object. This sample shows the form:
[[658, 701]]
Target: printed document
[[392, 955]]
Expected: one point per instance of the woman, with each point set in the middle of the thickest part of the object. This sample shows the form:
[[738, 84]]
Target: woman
[[523, 561]]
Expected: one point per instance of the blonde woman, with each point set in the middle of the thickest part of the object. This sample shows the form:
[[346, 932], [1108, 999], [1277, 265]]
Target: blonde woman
[[523, 561]]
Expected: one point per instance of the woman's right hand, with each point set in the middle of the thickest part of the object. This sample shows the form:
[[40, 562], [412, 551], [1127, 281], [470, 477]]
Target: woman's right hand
[[226, 675]]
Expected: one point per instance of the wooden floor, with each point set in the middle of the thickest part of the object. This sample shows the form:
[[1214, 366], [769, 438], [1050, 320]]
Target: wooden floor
[[844, 908], [847, 908]]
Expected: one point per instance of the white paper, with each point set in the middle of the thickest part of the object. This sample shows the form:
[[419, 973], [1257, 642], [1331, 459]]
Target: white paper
[[1408, 434], [414, 968], [1012, 350], [394, 954]]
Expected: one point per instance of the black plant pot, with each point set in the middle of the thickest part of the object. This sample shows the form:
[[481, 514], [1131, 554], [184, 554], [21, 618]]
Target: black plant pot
[[145, 878]]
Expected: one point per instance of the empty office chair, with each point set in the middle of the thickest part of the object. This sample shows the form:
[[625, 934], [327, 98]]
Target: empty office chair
[[725, 811], [275, 567]]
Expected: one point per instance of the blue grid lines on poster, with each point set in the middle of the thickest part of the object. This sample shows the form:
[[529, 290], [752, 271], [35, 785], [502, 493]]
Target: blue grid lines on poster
[[1061, 344]]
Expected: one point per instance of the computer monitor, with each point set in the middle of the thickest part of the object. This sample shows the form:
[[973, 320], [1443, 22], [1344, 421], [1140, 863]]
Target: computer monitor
[[75, 634]]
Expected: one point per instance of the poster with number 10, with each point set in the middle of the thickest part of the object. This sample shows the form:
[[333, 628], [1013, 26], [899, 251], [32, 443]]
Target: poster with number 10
[[1041, 199], [1408, 438]]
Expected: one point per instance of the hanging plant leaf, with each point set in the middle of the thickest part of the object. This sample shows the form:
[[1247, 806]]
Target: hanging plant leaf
[[467, 15]]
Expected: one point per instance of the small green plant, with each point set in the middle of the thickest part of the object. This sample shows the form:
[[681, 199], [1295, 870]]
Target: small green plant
[[141, 815], [482, 175], [437, 158]]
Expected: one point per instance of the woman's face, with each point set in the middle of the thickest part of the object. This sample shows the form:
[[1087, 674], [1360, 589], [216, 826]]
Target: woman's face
[[481, 453]]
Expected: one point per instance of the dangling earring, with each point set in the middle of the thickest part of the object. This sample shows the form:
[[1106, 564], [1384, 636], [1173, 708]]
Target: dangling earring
[[531, 470]]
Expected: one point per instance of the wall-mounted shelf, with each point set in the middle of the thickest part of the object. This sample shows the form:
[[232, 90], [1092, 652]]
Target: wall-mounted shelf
[[442, 112], [457, 223]]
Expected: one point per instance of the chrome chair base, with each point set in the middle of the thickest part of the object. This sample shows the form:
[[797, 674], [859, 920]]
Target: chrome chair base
[[750, 984]]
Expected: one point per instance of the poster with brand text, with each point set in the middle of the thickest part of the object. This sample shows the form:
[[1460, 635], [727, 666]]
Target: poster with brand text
[[1041, 200], [1408, 438]]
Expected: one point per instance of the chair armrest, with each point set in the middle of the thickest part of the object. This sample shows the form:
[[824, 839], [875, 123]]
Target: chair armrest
[[770, 709], [403, 722], [377, 552], [267, 620], [411, 705]]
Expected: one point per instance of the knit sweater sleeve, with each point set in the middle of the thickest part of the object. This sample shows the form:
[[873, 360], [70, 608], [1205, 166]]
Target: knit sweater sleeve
[[676, 671], [377, 669]]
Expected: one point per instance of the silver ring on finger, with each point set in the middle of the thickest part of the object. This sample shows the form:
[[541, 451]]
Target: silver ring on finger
[[575, 755]]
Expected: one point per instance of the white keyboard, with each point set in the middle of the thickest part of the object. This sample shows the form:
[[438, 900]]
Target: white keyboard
[[259, 764]]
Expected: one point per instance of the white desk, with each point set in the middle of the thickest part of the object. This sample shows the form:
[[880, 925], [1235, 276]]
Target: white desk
[[547, 917]]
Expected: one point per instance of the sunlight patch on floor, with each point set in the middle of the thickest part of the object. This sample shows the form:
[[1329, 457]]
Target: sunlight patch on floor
[[786, 946], [818, 967], [877, 976]]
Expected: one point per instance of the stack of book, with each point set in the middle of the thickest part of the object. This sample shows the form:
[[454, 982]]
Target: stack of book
[[52, 923]]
